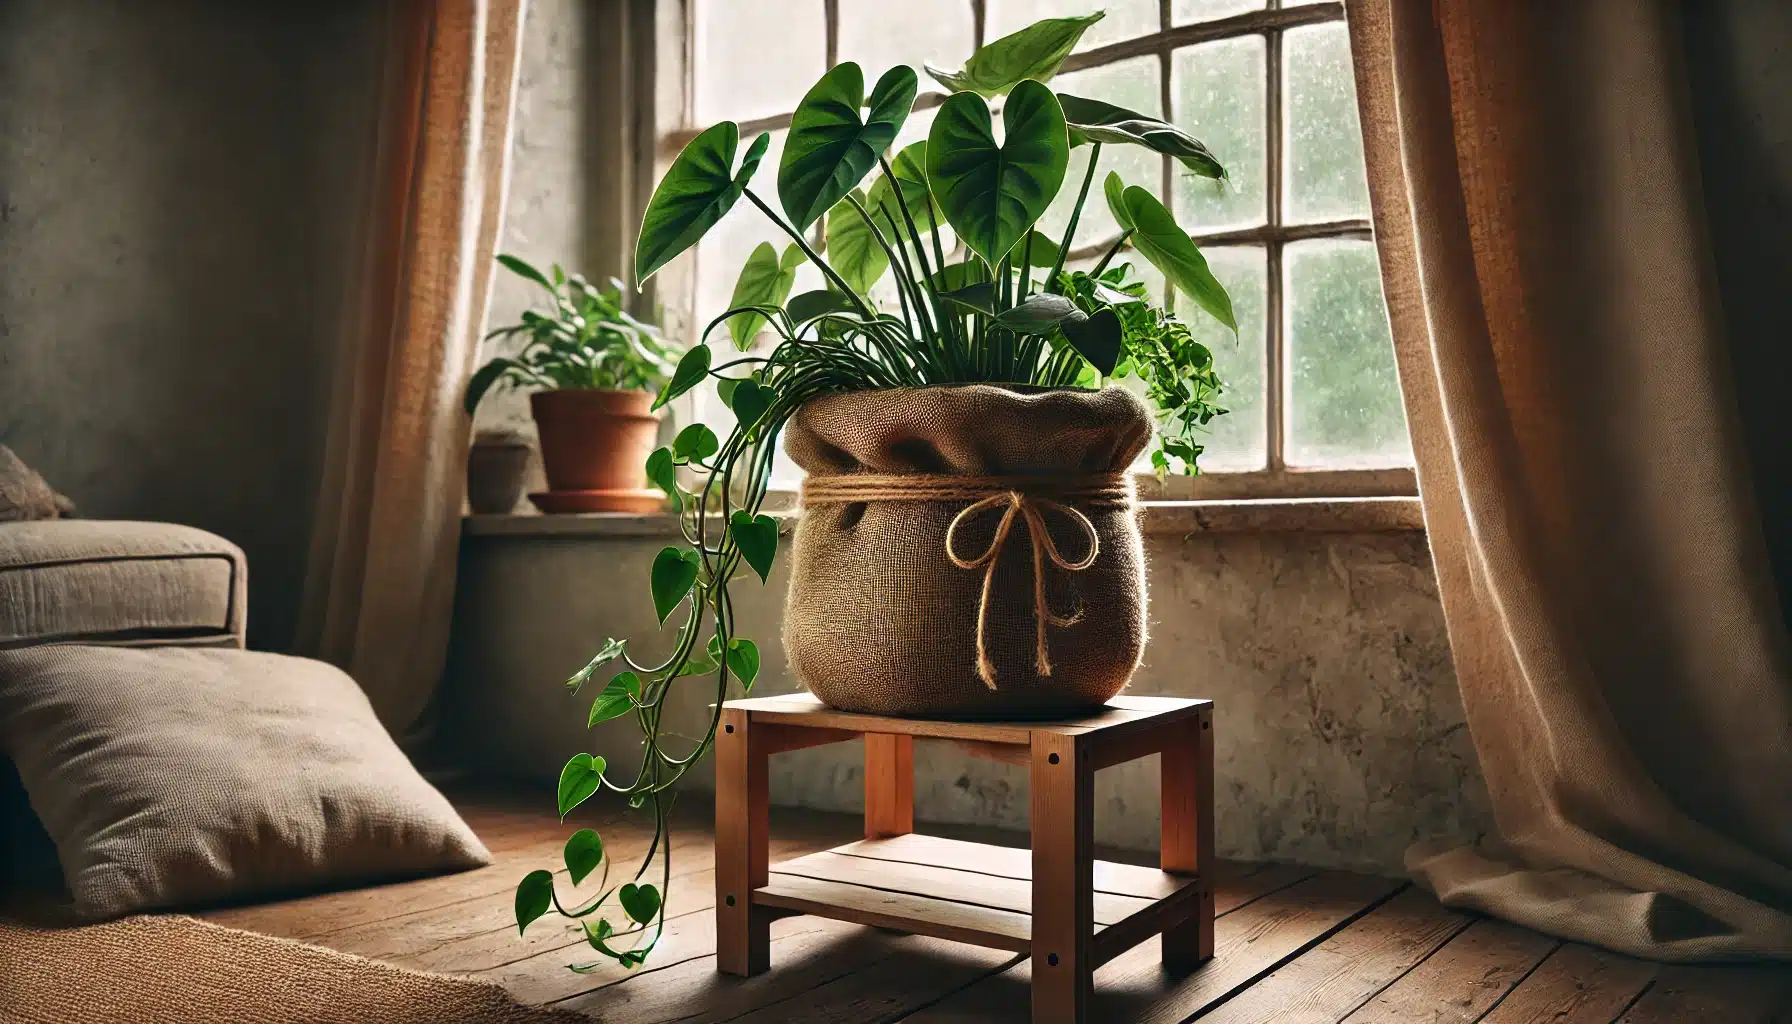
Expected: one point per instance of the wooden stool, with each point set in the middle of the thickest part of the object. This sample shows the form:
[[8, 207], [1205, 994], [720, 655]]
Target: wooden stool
[[1071, 912]]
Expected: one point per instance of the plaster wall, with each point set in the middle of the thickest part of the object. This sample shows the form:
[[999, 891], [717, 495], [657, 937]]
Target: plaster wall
[[178, 187], [1340, 736]]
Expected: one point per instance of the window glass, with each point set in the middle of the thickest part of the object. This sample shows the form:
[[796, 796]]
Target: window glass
[[734, 79], [1183, 12], [1125, 19], [1344, 406], [1324, 147], [914, 32], [1239, 439], [1219, 94]]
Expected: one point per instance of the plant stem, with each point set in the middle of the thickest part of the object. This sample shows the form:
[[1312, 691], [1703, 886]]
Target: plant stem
[[1076, 214], [1119, 243], [803, 243]]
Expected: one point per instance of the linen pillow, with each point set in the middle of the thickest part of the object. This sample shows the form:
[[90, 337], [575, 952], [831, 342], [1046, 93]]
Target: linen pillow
[[177, 776]]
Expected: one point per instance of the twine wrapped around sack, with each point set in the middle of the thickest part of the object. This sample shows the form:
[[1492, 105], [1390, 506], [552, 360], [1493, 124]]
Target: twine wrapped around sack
[[969, 550], [1018, 496]]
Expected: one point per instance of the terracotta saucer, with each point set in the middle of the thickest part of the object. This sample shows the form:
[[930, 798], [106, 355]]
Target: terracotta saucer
[[640, 502]]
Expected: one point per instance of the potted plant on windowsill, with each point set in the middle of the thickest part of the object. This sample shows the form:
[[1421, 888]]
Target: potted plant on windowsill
[[596, 369], [967, 544]]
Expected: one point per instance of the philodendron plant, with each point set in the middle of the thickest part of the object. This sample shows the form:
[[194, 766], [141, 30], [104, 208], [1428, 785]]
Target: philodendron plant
[[980, 295]]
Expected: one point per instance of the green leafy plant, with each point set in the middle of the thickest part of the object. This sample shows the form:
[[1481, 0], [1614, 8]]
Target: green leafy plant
[[980, 295], [585, 340]]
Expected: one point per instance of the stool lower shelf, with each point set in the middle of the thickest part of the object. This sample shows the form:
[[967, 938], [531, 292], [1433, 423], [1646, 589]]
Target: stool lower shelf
[[970, 892]]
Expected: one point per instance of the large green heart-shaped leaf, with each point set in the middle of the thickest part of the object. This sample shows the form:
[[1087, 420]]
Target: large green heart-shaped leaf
[[910, 169], [757, 538], [698, 190], [765, 280], [749, 400], [1160, 241], [641, 902], [695, 443], [831, 147], [584, 852], [1035, 52], [1097, 121], [534, 894], [853, 251], [992, 194], [578, 780], [673, 574]]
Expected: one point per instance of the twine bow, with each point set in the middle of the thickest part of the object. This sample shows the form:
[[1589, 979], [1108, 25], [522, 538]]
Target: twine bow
[[1024, 497], [1025, 507]]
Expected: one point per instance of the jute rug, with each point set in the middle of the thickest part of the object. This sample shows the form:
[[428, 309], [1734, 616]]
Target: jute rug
[[170, 969]]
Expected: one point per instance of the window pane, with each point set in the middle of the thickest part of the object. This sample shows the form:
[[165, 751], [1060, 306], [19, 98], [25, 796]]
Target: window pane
[[1325, 179], [1125, 19], [735, 81], [1133, 84], [1218, 90], [915, 32], [1238, 441], [1185, 12], [1343, 396]]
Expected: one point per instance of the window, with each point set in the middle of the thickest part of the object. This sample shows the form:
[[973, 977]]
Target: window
[[1310, 382]]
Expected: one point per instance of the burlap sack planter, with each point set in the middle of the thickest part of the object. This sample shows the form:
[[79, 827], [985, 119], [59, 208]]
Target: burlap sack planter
[[1045, 565]]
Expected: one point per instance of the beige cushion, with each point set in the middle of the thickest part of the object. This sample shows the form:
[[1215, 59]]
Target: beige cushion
[[99, 581], [178, 776]]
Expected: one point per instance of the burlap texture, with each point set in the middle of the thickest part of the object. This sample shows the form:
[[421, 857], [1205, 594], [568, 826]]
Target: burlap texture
[[880, 621]]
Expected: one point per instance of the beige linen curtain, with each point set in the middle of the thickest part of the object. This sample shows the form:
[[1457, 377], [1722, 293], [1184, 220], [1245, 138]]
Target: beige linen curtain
[[1616, 632], [380, 584]]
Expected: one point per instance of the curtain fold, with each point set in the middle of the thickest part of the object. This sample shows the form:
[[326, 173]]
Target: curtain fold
[[379, 587], [1622, 657]]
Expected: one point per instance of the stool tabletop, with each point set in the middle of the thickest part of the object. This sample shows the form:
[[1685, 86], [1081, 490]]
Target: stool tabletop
[[1123, 714]]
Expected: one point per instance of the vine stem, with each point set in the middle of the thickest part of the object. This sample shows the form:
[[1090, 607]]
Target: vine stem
[[814, 257], [1114, 250]]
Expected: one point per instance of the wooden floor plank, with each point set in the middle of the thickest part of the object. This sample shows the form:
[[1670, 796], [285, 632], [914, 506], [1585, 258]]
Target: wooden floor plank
[[1458, 983], [1718, 995], [1574, 985], [1250, 941], [1329, 981]]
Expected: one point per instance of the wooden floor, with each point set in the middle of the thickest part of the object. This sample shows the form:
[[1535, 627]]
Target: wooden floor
[[1294, 945]]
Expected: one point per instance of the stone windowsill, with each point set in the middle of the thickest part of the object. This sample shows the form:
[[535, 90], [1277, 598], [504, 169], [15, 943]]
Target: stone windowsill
[[1296, 515]]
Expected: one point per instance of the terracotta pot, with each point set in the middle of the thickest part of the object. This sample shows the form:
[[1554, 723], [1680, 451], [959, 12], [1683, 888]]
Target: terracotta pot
[[595, 439], [496, 471]]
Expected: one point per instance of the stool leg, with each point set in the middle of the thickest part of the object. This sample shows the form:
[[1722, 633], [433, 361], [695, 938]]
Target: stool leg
[[889, 785], [743, 931], [1186, 847], [1063, 822]]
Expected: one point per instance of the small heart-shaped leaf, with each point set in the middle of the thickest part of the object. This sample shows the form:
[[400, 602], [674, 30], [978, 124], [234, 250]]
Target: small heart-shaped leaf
[[584, 852], [534, 894], [764, 280], [641, 902], [692, 368], [1096, 339], [749, 402], [808, 305], [757, 538], [743, 661], [616, 700], [578, 780], [695, 443], [662, 473], [673, 574]]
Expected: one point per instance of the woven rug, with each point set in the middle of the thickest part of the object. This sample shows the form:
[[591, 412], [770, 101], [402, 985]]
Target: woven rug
[[171, 969]]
